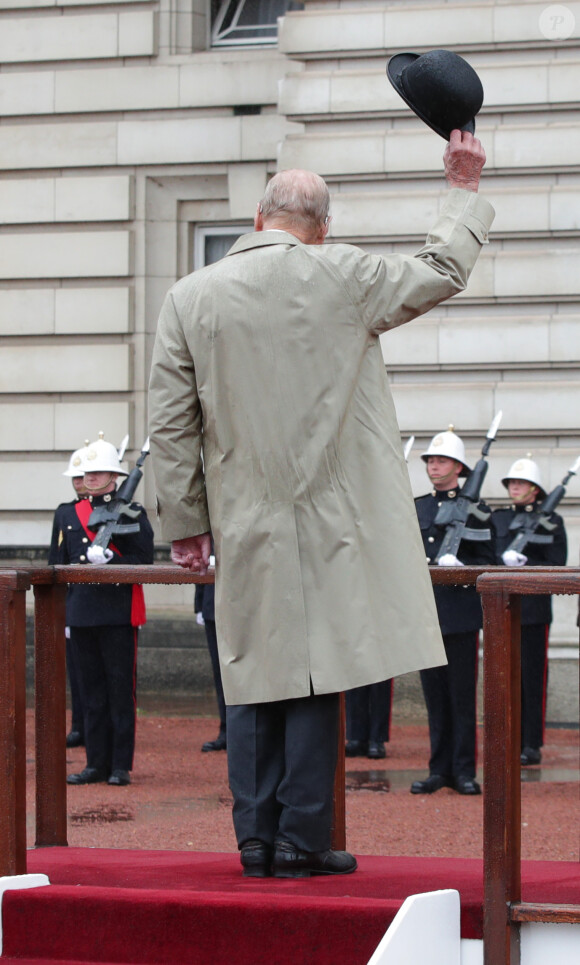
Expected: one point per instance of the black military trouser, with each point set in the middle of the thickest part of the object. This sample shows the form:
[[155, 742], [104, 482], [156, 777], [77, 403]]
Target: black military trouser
[[534, 683], [281, 761], [450, 695], [107, 661], [368, 712], [211, 638]]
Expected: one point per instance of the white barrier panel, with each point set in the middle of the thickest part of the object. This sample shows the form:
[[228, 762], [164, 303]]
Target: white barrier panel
[[425, 929]]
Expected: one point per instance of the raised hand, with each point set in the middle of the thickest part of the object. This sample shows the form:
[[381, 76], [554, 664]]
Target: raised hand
[[463, 159]]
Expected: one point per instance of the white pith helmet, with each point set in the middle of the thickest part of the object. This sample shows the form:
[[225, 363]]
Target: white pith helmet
[[525, 469], [449, 445], [76, 462], [101, 456]]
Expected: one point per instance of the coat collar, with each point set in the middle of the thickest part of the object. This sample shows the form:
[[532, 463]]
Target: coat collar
[[260, 239]]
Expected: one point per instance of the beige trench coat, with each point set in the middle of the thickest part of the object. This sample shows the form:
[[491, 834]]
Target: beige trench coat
[[269, 363]]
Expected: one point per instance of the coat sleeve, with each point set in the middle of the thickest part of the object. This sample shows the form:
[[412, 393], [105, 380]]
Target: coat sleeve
[[396, 288], [175, 427]]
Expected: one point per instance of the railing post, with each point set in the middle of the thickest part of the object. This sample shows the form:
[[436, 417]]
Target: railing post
[[501, 762], [50, 704], [13, 588]]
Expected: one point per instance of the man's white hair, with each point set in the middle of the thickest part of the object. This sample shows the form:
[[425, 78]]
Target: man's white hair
[[297, 199]]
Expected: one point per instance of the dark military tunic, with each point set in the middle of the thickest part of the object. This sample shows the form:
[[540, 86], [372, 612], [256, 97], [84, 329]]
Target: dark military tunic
[[536, 611], [450, 691]]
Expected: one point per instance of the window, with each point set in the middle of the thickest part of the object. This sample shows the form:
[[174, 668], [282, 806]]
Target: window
[[238, 22], [212, 243]]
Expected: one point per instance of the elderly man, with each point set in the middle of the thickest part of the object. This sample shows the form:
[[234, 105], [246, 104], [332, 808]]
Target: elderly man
[[268, 362]]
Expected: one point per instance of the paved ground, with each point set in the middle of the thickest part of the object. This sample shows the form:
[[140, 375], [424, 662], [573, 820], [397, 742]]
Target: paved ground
[[179, 798]]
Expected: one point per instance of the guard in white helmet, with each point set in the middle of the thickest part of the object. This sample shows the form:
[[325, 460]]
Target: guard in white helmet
[[104, 621], [546, 547], [76, 473], [450, 691]]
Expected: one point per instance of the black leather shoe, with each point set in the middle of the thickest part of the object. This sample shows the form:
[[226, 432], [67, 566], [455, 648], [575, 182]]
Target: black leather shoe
[[219, 744], [376, 750], [74, 739], [530, 755], [90, 775], [119, 778], [289, 862], [256, 858], [467, 785], [431, 784], [355, 748]]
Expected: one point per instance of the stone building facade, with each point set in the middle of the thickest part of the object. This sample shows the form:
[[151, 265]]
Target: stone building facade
[[135, 139]]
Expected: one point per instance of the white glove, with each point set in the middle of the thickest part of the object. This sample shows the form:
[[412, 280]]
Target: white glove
[[513, 558], [199, 620], [98, 555], [448, 559]]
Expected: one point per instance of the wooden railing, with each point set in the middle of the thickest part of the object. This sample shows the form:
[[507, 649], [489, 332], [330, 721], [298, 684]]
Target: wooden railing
[[500, 590]]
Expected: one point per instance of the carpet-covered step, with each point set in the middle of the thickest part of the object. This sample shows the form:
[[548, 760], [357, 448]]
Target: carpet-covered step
[[169, 927]]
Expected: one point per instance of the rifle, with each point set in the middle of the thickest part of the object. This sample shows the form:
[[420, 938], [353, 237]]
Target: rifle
[[106, 517], [528, 523], [454, 515], [408, 446]]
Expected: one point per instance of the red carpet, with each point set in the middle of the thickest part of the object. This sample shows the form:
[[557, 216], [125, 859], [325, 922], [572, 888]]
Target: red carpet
[[175, 908]]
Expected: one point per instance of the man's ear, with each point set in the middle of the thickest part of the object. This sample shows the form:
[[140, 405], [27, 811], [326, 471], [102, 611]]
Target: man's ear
[[258, 218], [321, 234]]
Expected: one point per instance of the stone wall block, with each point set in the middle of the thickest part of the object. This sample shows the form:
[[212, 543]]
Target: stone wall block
[[90, 37], [117, 88], [305, 94], [411, 344], [27, 201], [84, 311], [94, 199], [316, 31], [565, 338], [137, 33], [536, 146], [430, 407], [27, 93], [29, 146], [372, 215], [564, 209], [246, 185], [87, 254], [190, 141], [261, 136], [553, 408], [31, 485], [73, 423], [216, 84], [64, 368], [26, 311], [497, 341], [437, 26], [520, 22], [551, 272], [26, 427], [334, 154]]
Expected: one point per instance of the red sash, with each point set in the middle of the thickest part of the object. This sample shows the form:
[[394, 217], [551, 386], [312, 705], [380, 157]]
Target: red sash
[[83, 509]]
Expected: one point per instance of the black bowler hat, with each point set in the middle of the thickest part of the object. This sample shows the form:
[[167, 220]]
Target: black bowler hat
[[440, 87]]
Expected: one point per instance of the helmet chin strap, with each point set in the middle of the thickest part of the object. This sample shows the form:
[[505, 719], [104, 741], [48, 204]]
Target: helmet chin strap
[[522, 496], [94, 491]]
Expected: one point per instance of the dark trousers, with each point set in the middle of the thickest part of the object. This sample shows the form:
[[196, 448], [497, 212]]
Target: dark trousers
[[107, 660], [450, 695], [211, 637], [368, 712], [534, 683], [76, 698], [282, 760]]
